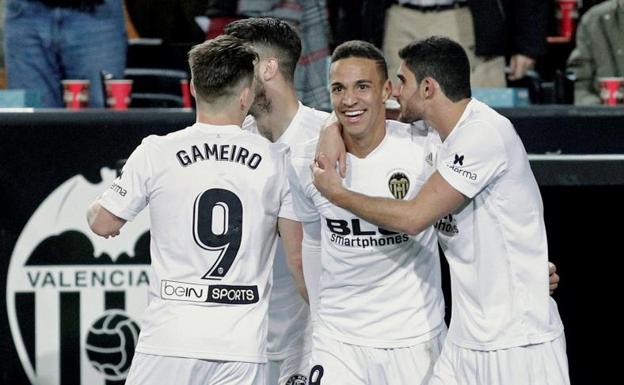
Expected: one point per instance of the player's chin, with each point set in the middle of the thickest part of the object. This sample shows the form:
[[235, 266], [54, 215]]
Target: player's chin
[[406, 117]]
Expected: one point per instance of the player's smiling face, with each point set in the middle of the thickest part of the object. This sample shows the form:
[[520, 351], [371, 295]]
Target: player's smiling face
[[358, 94]]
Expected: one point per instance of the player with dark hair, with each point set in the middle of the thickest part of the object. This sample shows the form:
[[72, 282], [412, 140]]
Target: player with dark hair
[[380, 305], [485, 203], [215, 193], [278, 115]]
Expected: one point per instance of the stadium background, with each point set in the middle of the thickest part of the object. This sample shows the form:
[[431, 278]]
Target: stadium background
[[65, 159]]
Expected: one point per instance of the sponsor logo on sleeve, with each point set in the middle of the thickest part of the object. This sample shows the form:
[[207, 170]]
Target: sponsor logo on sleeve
[[457, 167]]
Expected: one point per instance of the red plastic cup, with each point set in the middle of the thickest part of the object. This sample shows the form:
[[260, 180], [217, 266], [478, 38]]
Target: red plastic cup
[[118, 93], [75, 93], [186, 94], [567, 15], [611, 92]]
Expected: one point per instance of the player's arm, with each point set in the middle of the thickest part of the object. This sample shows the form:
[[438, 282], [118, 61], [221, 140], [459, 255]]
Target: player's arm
[[435, 199], [103, 222], [331, 144], [291, 233]]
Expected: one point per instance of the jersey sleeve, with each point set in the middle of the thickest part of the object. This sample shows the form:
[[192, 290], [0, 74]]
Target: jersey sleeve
[[128, 194], [311, 259], [474, 158], [286, 209], [302, 203]]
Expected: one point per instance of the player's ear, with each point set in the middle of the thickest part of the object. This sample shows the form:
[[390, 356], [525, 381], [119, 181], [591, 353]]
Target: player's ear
[[428, 86], [387, 90], [192, 84], [269, 68], [246, 97]]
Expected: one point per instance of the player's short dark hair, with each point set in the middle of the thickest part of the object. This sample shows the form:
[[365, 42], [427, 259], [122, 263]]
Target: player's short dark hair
[[273, 34], [220, 66], [363, 50], [443, 60]]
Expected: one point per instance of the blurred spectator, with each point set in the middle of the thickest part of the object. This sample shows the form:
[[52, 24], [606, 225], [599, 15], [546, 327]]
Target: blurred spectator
[[181, 21], [130, 28], [488, 30], [173, 21], [50, 40], [357, 20], [309, 17], [599, 50]]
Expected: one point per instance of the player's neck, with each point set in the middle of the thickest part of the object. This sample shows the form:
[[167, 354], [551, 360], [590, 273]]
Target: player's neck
[[363, 144], [445, 115], [284, 107], [224, 118]]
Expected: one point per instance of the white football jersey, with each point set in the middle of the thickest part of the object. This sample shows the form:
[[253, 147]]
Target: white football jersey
[[214, 195], [288, 313], [496, 244], [377, 288]]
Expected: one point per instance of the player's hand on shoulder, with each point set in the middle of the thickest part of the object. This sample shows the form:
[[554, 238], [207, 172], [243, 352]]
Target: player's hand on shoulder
[[325, 178], [331, 145]]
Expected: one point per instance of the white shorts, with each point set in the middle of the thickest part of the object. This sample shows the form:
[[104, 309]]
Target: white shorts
[[293, 370], [539, 364], [291, 337], [334, 362], [148, 369]]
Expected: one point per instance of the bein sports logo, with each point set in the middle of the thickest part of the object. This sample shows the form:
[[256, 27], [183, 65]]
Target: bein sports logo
[[65, 284]]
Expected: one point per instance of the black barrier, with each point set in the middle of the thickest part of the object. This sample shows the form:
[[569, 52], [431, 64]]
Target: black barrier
[[569, 130], [61, 287]]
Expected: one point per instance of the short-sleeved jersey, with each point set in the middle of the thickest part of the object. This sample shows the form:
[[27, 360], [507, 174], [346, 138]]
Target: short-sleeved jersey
[[378, 288], [289, 315], [495, 244], [214, 195]]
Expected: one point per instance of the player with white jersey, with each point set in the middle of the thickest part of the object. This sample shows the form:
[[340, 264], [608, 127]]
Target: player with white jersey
[[381, 309], [284, 330], [280, 117], [215, 193], [484, 148], [498, 281], [379, 290], [290, 325], [486, 205]]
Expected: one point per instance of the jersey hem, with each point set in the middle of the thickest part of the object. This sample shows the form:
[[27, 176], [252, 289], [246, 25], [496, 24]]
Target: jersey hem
[[513, 343], [459, 185], [116, 209], [216, 356], [382, 344], [282, 355]]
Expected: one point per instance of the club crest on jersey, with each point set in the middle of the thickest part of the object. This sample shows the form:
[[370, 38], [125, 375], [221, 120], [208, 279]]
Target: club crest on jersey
[[399, 185], [297, 379]]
